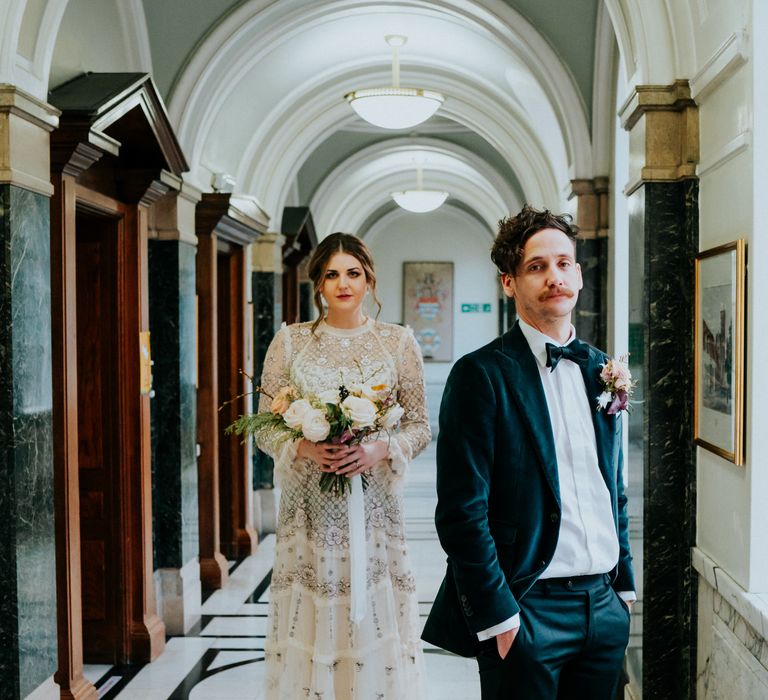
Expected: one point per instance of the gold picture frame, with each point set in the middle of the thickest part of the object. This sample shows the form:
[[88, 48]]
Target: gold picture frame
[[720, 300]]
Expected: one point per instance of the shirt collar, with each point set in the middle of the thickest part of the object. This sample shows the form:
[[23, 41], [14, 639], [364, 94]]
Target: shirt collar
[[537, 341]]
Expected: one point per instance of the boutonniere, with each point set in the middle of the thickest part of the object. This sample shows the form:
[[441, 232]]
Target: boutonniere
[[617, 386]]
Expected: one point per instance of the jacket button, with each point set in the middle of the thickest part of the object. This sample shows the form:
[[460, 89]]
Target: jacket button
[[463, 598], [554, 517]]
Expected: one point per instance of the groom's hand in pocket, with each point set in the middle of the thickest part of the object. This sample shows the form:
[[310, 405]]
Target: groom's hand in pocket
[[505, 640]]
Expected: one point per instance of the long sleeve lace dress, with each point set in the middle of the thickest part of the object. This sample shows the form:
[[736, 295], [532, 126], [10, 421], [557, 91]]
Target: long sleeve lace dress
[[312, 649]]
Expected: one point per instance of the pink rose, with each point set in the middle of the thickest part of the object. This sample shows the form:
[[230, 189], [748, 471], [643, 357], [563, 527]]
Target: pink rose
[[282, 400], [622, 377]]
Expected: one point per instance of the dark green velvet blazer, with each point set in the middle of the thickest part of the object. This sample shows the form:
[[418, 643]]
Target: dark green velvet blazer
[[498, 512]]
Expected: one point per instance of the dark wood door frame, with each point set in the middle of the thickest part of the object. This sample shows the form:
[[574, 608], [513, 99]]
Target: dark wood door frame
[[223, 530], [142, 631], [214, 570], [107, 156], [69, 674], [238, 537]]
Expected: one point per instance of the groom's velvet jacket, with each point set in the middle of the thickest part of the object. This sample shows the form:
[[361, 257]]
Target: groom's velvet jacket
[[498, 512]]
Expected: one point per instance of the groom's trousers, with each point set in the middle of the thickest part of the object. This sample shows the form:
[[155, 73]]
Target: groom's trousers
[[570, 645]]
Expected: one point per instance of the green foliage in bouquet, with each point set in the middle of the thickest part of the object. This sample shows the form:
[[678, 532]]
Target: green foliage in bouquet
[[343, 416]]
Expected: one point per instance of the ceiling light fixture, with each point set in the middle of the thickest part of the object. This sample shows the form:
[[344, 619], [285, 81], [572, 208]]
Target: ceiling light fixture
[[420, 200], [395, 107]]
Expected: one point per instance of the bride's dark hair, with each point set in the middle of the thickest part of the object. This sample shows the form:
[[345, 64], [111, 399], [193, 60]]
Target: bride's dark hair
[[321, 256]]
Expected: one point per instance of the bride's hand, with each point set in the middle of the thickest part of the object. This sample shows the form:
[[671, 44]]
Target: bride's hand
[[322, 453], [361, 458]]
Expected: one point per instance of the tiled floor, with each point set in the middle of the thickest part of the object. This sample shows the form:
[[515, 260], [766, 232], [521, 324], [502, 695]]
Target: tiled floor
[[223, 659]]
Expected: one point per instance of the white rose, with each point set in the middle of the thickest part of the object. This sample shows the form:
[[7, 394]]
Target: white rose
[[315, 426], [361, 412], [294, 416], [392, 417], [329, 396]]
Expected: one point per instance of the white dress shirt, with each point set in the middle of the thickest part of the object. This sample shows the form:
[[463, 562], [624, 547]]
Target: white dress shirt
[[587, 541]]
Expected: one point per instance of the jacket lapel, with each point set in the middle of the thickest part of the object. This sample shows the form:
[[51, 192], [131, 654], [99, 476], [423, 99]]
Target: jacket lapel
[[605, 425], [524, 383]]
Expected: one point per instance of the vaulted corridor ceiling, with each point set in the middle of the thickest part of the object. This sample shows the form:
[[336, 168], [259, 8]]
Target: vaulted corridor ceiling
[[255, 90]]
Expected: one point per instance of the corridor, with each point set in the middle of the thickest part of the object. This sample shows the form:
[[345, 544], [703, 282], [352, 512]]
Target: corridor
[[220, 659], [167, 172]]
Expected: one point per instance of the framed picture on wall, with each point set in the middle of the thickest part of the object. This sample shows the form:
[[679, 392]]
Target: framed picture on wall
[[719, 350], [428, 307]]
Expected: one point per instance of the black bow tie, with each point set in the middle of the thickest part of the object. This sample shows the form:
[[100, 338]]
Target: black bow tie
[[576, 351]]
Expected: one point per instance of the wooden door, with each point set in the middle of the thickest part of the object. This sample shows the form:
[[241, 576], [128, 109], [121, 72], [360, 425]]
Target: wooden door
[[97, 424], [224, 369], [238, 538]]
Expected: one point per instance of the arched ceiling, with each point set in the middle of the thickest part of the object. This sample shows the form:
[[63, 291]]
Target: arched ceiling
[[262, 91], [364, 181], [255, 89], [568, 27]]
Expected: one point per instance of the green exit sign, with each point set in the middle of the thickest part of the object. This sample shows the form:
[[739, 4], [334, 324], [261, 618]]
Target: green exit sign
[[475, 308]]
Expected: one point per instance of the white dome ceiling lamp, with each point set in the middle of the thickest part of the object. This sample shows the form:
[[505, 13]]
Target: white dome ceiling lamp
[[420, 200], [395, 107]]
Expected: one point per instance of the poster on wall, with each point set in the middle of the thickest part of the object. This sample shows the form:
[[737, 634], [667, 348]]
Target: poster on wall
[[719, 350], [428, 307]]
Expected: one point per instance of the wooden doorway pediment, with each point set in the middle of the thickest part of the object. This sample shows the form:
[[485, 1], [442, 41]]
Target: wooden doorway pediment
[[298, 228], [114, 136], [235, 219]]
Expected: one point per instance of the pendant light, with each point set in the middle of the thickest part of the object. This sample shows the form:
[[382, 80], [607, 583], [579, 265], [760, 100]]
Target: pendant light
[[420, 200], [395, 107]]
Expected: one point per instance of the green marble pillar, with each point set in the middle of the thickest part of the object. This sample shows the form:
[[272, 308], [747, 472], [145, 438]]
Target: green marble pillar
[[172, 251], [663, 205], [28, 652]]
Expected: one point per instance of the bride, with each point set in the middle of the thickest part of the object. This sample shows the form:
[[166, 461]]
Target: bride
[[343, 614]]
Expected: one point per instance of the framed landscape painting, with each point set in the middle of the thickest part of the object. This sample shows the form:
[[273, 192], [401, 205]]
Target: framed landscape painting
[[428, 307], [719, 350]]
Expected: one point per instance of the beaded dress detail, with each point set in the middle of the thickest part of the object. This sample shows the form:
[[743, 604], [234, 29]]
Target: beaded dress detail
[[312, 650]]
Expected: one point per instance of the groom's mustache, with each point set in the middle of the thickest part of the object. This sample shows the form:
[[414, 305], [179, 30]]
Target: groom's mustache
[[561, 292]]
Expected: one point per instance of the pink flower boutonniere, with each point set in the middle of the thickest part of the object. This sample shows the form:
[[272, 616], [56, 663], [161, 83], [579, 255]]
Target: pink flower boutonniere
[[617, 386]]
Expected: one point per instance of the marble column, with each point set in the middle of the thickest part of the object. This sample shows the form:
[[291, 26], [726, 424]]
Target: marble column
[[28, 633], [266, 290], [172, 322], [663, 228], [592, 217]]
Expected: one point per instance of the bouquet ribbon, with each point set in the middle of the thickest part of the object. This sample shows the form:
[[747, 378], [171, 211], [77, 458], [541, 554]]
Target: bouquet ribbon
[[357, 554]]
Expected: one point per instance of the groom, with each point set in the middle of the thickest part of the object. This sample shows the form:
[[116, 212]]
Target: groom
[[531, 507]]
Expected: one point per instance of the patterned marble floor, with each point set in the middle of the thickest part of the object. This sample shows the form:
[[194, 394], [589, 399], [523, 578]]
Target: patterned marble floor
[[222, 658]]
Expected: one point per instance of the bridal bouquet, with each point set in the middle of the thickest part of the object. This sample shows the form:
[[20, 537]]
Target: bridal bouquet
[[343, 416]]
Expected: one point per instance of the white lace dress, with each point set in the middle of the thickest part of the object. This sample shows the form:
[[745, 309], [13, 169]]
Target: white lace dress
[[312, 649]]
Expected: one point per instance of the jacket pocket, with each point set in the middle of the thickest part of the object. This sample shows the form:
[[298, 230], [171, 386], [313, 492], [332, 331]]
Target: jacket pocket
[[502, 531]]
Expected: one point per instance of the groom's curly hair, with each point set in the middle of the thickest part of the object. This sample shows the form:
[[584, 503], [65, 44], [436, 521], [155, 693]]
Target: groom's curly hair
[[514, 232]]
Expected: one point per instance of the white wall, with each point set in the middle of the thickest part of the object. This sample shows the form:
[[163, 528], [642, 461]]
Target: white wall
[[447, 234], [732, 520], [91, 38], [725, 113], [757, 328]]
